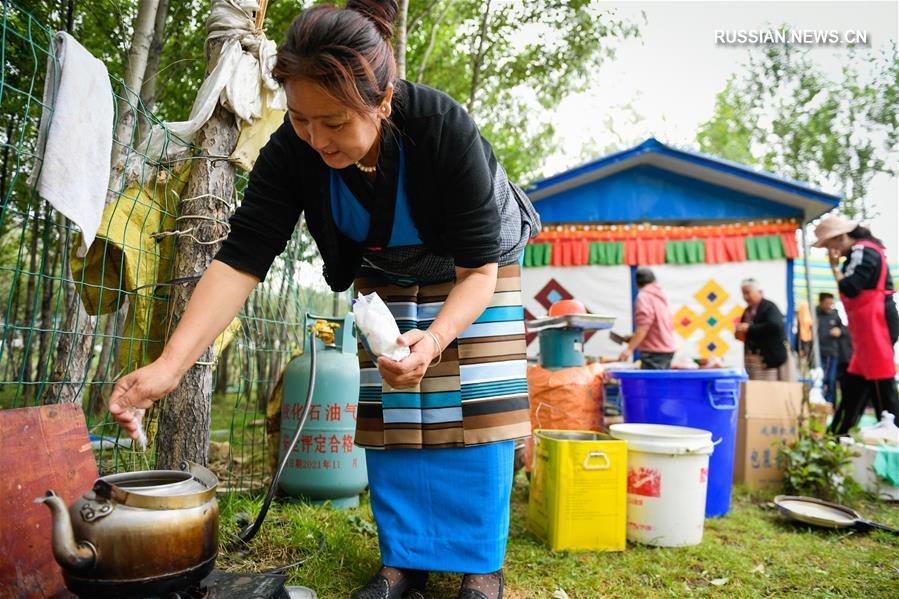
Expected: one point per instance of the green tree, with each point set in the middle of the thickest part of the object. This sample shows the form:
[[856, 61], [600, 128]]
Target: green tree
[[784, 115], [508, 61]]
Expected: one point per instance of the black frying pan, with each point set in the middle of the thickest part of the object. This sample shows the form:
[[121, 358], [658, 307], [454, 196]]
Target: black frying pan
[[825, 514]]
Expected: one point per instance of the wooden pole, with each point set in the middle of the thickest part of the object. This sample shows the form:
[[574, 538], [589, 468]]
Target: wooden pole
[[260, 14]]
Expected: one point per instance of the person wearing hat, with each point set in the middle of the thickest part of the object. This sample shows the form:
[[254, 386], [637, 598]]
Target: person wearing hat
[[866, 290]]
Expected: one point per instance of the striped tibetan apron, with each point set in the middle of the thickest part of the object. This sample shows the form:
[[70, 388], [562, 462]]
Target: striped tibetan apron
[[440, 459]]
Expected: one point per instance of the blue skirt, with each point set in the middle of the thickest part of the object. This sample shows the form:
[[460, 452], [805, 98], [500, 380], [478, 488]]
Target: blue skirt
[[442, 509]]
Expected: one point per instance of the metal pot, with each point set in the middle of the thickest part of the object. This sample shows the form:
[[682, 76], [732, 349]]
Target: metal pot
[[138, 533]]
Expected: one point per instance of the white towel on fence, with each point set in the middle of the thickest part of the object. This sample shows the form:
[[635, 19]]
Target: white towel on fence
[[74, 143]]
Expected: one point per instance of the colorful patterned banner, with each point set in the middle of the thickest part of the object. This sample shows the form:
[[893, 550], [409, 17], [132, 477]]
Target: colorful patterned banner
[[584, 245]]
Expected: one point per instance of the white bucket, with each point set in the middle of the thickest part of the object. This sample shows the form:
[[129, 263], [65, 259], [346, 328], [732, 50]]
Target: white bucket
[[667, 479]]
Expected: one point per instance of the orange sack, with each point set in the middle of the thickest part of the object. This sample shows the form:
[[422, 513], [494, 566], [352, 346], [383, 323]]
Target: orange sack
[[566, 399]]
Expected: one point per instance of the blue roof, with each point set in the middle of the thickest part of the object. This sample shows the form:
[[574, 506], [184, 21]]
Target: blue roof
[[655, 182]]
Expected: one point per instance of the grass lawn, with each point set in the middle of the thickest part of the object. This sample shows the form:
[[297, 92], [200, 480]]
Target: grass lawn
[[750, 553]]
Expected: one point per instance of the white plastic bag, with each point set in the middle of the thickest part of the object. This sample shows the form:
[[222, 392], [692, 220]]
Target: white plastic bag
[[141, 435], [378, 326], [884, 431]]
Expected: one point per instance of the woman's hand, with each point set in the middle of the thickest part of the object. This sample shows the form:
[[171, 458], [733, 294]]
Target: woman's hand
[[834, 256], [407, 373], [135, 392]]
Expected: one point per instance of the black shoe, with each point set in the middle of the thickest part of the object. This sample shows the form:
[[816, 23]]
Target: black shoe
[[471, 593], [380, 588]]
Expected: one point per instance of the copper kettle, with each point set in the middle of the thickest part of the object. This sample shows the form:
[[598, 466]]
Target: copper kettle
[[138, 533]]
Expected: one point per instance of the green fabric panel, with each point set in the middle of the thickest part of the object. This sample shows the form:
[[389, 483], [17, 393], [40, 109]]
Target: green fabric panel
[[618, 247], [696, 251], [606, 253], [546, 254], [776, 246], [690, 251], [537, 254], [752, 252], [765, 247], [594, 254], [671, 252]]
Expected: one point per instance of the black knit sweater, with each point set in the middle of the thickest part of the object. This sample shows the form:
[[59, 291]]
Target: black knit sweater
[[449, 183]]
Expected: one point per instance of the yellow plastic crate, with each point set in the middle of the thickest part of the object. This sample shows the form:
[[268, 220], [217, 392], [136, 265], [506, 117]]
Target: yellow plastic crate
[[578, 494]]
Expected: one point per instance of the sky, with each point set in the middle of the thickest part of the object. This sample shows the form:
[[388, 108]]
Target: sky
[[664, 84]]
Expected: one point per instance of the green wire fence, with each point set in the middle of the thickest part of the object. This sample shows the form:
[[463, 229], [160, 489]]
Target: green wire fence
[[70, 326]]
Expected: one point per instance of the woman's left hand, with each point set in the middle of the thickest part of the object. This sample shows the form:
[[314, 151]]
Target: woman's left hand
[[407, 373]]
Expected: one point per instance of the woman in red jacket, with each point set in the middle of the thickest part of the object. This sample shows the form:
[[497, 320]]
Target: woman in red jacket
[[866, 290]]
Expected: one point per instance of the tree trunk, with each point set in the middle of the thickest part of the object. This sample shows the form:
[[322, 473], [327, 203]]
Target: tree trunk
[[432, 39], [68, 290], [477, 60], [135, 67], [30, 301], [221, 370], [105, 370], [148, 90], [139, 52], [48, 326], [7, 146], [72, 356], [400, 35], [8, 354], [70, 16], [185, 418], [76, 337]]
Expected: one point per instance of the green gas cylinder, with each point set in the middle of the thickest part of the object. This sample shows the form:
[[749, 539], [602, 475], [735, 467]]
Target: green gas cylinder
[[325, 464]]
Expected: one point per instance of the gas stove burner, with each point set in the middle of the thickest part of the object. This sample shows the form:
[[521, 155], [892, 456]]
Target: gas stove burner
[[194, 592], [236, 585]]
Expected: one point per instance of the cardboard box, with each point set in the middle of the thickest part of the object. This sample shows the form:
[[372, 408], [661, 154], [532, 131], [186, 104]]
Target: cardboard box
[[768, 413]]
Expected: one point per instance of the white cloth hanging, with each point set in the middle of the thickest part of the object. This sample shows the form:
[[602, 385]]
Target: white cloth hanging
[[74, 143]]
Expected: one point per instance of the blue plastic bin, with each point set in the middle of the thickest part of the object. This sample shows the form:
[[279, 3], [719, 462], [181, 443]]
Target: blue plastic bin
[[705, 399]]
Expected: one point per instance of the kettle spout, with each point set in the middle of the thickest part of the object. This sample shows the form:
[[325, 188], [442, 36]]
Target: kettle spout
[[69, 554]]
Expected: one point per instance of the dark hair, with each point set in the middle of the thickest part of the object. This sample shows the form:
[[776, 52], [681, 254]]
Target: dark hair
[[864, 233], [346, 51], [823, 296], [643, 277]]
